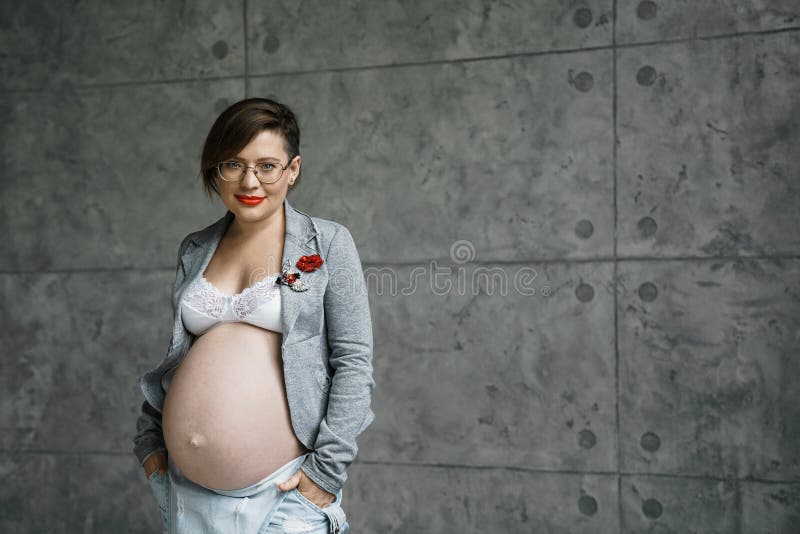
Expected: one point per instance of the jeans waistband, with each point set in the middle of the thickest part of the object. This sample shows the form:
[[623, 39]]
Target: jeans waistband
[[281, 473]]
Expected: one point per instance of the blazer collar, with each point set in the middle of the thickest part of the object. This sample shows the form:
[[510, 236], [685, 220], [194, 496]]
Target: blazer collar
[[300, 232]]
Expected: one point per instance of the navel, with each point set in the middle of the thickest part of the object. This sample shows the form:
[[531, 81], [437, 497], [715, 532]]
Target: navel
[[196, 440]]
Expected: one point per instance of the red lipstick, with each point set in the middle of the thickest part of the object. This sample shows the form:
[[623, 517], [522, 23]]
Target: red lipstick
[[249, 200]]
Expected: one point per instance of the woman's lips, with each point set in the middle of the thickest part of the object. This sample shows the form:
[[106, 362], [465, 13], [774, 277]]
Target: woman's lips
[[248, 200]]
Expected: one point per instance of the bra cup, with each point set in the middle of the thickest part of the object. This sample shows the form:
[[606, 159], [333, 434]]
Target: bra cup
[[203, 306]]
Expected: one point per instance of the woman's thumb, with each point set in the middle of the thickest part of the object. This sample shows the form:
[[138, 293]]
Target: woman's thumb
[[290, 482]]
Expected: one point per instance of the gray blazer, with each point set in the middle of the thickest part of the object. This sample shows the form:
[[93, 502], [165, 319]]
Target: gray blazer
[[326, 348]]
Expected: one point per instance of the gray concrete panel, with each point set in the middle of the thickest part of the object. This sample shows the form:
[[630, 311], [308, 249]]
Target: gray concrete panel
[[406, 499], [708, 368], [99, 42], [71, 364], [708, 505], [289, 36], [641, 21], [666, 504], [514, 155], [105, 177], [707, 162], [47, 492], [481, 368]]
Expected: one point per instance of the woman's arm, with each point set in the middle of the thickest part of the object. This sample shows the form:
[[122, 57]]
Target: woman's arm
[[349, 328], [149, 437]]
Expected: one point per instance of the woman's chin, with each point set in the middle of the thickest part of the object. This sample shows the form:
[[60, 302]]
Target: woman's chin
[[249, 210]]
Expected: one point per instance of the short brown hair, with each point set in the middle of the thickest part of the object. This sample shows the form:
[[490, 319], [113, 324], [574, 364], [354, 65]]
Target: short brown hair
[[238, 125]]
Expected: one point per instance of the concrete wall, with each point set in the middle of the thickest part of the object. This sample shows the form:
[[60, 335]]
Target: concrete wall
[[637, 161]]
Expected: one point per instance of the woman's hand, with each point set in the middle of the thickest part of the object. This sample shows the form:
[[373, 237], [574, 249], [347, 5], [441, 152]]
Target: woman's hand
[[308, 488]]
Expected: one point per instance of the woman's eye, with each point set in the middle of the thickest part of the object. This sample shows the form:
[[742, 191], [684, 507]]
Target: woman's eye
[[265, 167], [232, 164]]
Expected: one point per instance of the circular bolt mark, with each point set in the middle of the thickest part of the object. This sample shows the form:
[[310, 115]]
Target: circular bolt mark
[[271, 44], [646, 10], [586, 439], [647, 226], [650, 442], [220, 105], [587, 505], [582, 17], [584, 82], [646, 75], [652, 508], [584, 229], [584, 292], [648, 292], [220, 49]]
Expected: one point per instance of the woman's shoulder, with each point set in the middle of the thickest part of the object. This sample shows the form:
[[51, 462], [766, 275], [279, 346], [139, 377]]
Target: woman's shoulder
[[208, 232]]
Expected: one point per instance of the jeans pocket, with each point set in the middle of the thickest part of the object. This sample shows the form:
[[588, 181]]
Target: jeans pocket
[[158, 485], [308, 502], [333, 513]]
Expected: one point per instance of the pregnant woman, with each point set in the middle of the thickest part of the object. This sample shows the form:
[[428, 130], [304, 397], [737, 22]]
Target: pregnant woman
[[250, 420]]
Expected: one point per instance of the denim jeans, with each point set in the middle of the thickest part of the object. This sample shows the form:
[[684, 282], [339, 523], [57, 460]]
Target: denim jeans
[[261, 508]]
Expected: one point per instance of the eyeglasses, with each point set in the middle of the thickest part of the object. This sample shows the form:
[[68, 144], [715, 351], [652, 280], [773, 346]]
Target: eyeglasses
[[267, 172]]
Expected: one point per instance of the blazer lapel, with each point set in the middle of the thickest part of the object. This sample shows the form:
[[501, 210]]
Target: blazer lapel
[[300, 231]]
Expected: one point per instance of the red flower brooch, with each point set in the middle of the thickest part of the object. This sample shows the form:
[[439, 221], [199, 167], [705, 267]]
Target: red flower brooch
[[306, 264], [309, 263]]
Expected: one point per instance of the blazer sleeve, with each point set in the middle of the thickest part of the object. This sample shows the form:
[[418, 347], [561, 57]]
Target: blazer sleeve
[[149, 437], [349, 332]]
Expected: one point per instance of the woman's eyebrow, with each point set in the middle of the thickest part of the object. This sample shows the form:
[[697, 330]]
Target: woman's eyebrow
[[258, 159]]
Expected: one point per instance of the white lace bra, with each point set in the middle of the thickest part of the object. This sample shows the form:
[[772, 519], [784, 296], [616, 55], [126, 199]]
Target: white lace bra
[[204, 306]]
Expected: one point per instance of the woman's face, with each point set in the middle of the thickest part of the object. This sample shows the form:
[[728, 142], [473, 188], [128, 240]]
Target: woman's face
[[266, 146]]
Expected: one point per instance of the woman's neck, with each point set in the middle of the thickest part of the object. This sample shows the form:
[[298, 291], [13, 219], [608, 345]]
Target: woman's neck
[[249, 231]]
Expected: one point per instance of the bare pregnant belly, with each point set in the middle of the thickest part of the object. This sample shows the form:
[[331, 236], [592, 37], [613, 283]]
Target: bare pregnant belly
[[226, 420]]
